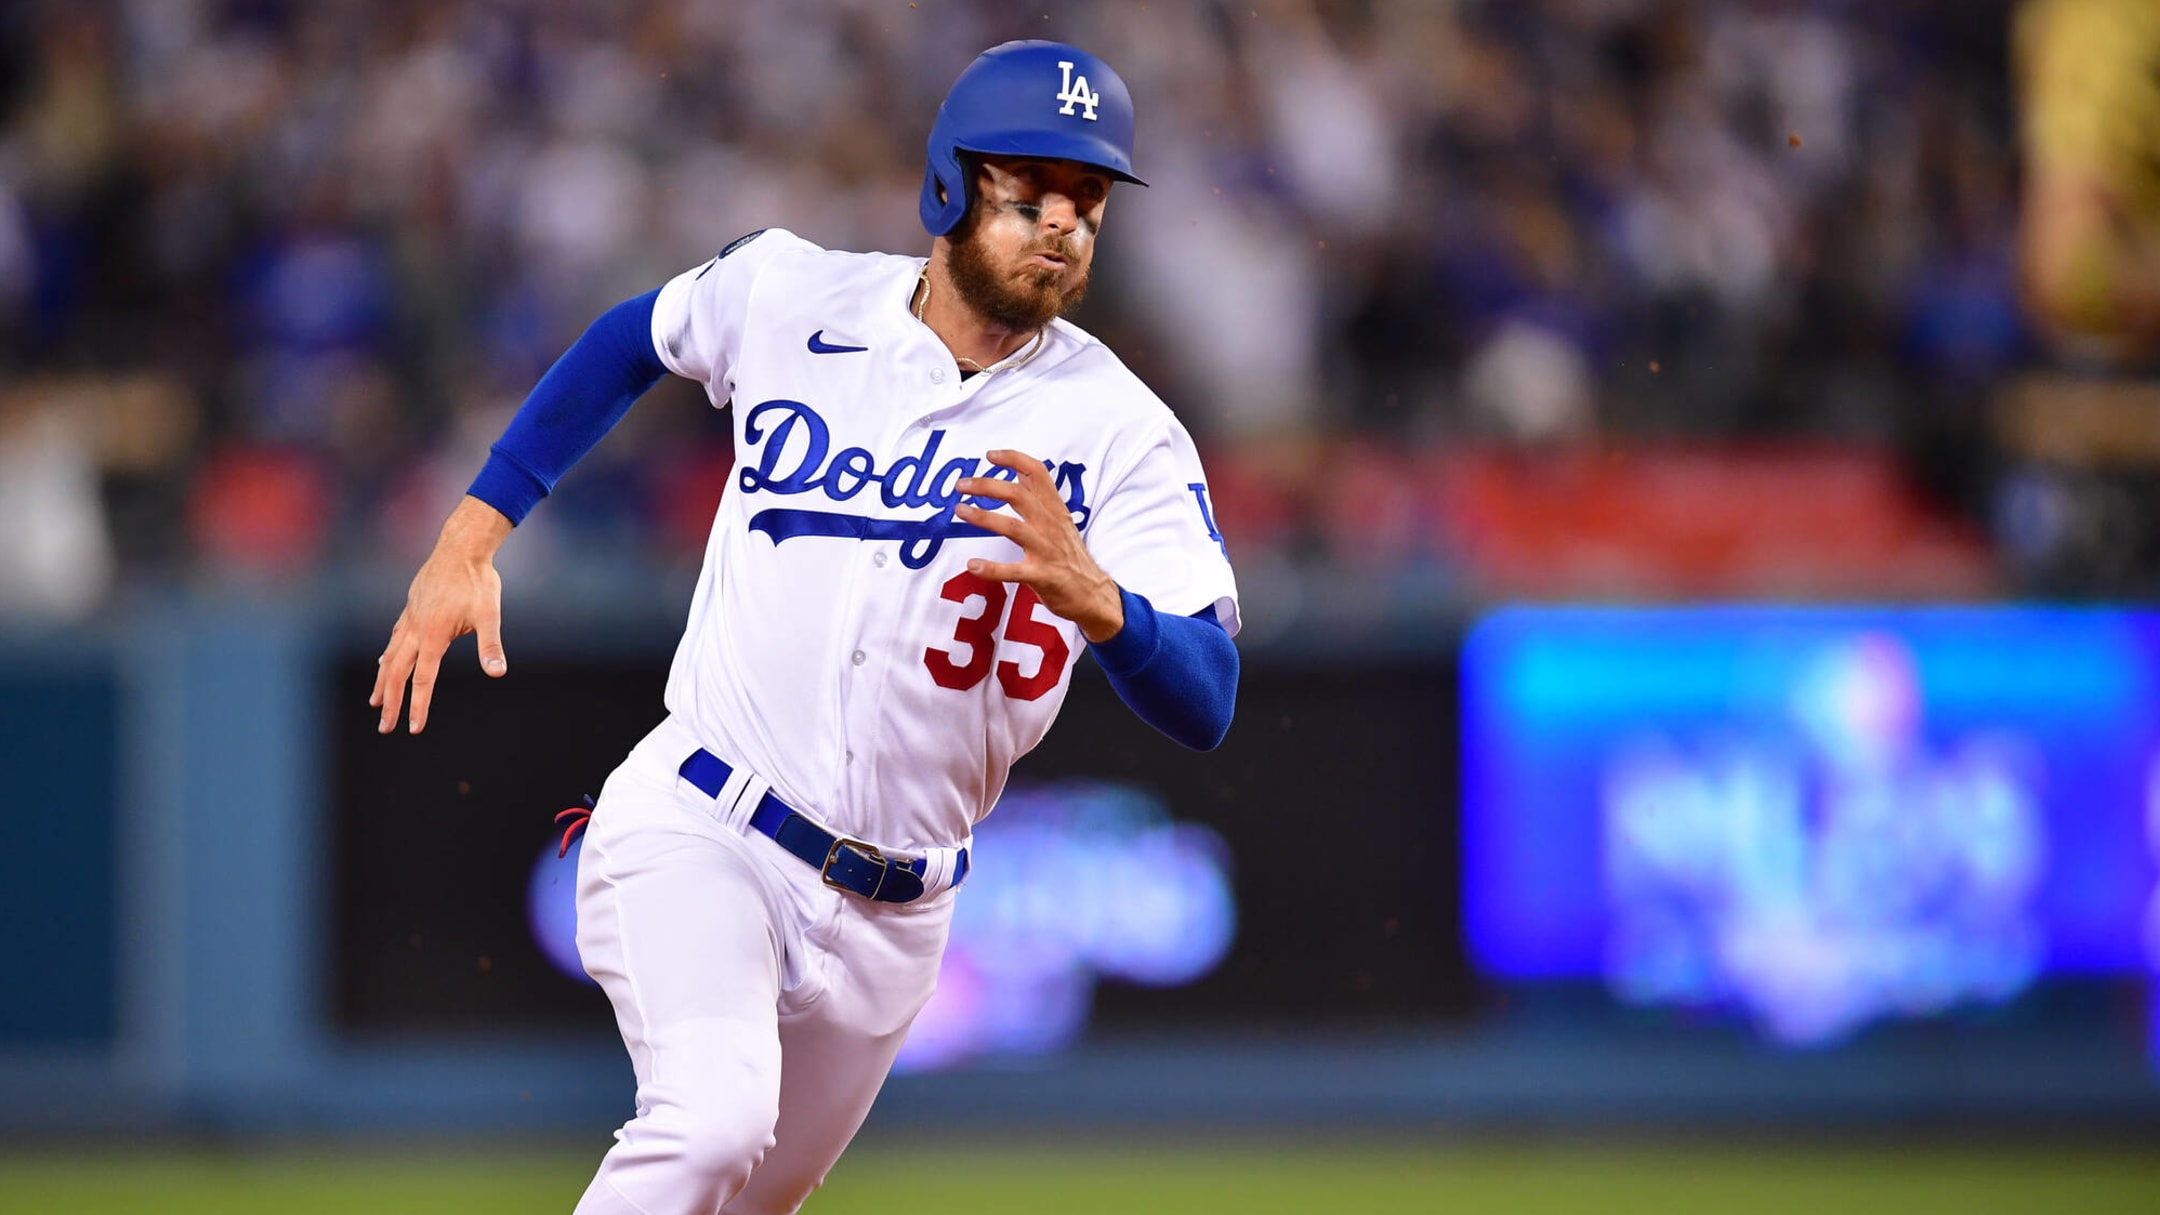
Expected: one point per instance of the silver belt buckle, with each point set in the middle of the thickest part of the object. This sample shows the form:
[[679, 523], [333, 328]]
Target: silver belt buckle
[[868, 852]]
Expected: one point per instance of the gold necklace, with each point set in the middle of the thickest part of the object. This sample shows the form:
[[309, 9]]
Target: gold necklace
[[922, 290]]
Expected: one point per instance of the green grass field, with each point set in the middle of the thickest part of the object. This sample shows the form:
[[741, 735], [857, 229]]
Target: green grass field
[[1515, 1179]]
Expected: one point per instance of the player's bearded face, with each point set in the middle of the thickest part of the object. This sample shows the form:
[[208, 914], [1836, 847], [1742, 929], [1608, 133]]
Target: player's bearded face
[[1020, 258]]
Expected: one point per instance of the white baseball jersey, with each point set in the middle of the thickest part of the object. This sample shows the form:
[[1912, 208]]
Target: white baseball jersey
[[837, 645]]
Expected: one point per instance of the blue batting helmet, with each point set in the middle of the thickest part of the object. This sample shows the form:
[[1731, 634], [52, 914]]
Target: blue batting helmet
[[1031, 98]]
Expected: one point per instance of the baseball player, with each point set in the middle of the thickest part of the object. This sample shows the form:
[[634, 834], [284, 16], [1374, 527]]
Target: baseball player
[[942, 492]]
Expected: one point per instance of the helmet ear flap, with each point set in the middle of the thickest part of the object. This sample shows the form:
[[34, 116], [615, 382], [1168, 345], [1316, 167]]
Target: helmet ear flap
[[946, 191], [970, 169]]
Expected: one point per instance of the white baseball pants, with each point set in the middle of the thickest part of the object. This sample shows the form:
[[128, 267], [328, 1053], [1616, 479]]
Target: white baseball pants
[[762, 1009]]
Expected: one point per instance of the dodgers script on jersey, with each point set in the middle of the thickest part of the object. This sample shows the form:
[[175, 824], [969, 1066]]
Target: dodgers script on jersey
[[837, 644]]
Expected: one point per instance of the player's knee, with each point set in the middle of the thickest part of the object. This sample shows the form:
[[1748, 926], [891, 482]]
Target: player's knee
[[722, 1141]]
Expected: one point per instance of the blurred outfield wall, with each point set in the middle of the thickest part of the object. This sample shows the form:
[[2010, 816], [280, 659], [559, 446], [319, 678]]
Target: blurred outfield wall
[[234, 907]]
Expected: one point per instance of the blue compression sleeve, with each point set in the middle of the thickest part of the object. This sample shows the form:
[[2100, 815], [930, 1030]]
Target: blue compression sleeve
[[1179, 673], [572, 408]]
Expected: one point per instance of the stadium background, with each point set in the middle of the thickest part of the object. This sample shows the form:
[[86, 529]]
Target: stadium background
[[1699, 698]]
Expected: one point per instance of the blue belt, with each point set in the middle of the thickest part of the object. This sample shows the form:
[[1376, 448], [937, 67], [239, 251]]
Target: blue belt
[[845, 864]]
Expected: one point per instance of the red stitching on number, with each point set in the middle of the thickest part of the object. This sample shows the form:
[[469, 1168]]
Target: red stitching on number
[[978, 633], [1021, 626]]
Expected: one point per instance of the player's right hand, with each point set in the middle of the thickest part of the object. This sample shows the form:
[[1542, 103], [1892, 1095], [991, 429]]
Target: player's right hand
[[456, 592]]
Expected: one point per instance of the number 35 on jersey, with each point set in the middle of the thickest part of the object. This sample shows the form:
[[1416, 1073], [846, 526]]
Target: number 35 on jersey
[[977, 635]]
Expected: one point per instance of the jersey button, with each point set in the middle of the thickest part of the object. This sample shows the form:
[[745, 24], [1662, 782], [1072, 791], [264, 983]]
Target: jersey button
[[858, 657], [878, 560], [937, 375]]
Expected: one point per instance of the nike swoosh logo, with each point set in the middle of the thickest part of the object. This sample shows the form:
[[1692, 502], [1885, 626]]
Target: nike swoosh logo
[[818, 345]]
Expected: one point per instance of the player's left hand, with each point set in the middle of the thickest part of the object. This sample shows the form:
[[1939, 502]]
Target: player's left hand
[[1056, 562]]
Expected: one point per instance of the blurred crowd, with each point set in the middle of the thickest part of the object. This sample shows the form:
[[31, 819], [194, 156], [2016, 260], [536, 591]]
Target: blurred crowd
[[274, 273]]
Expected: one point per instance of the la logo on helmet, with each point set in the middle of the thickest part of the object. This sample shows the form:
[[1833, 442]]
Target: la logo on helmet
[[1077, 93]]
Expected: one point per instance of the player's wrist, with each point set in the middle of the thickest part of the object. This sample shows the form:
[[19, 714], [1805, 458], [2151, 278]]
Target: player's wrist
[[1107, 619], [473, 532]]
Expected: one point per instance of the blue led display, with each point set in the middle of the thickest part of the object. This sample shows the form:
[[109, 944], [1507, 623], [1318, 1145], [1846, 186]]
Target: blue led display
[[551, 907], [1820, 816], [1072, 881]]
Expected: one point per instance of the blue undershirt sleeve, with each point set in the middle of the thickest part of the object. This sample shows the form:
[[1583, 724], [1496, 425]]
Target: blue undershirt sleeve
[[1179, 673], [572, 408]]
